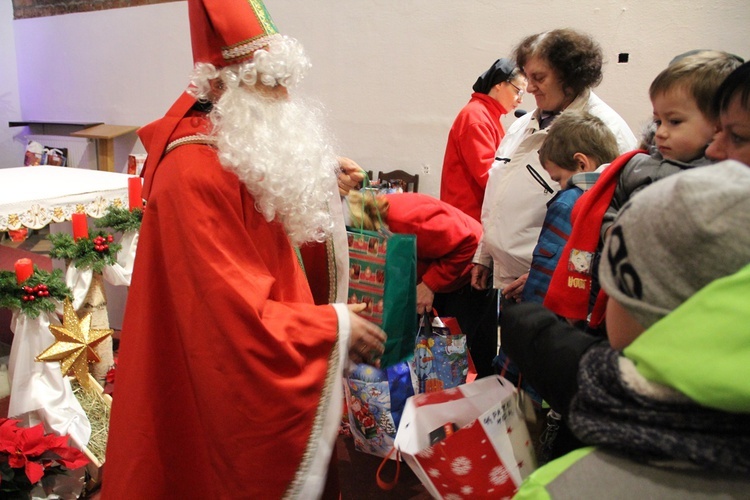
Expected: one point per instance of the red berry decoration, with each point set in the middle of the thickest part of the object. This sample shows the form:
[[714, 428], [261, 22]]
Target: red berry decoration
[[110, 238]]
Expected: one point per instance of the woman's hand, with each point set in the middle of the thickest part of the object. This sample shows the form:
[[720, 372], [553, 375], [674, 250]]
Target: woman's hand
[[515, 289], [351, 175], [367, 340], [480, 276], [425, 296]]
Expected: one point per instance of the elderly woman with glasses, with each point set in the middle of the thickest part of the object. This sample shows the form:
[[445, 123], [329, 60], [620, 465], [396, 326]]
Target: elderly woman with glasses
[[561, 66], [476, 134]]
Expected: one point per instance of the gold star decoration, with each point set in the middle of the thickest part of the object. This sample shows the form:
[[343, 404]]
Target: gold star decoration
[[74, 344]]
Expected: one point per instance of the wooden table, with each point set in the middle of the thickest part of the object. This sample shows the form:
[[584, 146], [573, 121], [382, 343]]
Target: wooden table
[[105, 144]]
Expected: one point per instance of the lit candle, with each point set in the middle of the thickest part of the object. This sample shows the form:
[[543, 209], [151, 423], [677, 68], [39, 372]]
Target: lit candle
[[80, 226], [134, 193], [24, 270]]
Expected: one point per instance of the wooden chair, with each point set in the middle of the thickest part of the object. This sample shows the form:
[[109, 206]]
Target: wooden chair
[[410, 183]]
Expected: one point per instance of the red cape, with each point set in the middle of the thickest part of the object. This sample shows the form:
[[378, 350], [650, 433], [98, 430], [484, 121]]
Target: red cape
[[225, 362]]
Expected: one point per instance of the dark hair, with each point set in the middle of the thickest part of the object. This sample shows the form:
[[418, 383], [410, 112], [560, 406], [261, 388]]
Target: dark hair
[[700, 74], [576, 57], [578, 132], [737, 83]]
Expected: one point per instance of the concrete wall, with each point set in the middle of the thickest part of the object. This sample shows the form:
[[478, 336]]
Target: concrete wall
[[393, 74]]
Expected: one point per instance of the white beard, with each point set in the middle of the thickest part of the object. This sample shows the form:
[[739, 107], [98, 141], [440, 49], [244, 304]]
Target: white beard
[[281, 150]]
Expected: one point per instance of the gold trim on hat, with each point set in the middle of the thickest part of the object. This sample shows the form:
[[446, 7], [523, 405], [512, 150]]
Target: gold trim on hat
[[264, 18], [247, 47]]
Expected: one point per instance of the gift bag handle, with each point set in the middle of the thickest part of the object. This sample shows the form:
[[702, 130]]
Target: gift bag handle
[[366, 187], [426, 324], [387, 486]]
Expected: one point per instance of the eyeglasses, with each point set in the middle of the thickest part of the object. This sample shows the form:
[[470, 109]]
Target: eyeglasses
[[519, 92]]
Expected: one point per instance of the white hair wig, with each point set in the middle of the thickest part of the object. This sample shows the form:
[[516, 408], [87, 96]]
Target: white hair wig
[[282, 62], [279, 148]]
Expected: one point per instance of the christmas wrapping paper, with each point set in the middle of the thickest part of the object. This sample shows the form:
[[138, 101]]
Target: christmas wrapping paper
[[375, 400], [488, 455]]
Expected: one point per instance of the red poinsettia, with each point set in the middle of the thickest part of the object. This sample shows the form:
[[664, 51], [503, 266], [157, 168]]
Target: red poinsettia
[[30, 451]]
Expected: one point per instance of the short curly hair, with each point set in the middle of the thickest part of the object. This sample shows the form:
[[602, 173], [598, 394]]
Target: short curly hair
[[700, 74], [576, 57]]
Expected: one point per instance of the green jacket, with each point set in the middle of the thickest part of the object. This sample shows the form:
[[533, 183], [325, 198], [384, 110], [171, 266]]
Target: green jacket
[[701, 349]]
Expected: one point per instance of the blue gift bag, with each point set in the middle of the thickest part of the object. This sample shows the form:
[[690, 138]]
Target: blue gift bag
[[441, 355], [375, 400]]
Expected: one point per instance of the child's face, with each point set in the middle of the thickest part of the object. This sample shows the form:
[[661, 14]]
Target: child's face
[[562, 175], [622, 327], [682, 131], [558, 174], [733, 139]]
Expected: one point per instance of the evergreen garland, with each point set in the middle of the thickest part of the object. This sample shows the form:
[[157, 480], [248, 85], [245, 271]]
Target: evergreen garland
[[121, 219], [37, 294], [95, 252]]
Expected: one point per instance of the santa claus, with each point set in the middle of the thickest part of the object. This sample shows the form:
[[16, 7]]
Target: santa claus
[[229, 376]]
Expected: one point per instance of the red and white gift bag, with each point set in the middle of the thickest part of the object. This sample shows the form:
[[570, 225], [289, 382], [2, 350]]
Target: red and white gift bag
[[467, 442]]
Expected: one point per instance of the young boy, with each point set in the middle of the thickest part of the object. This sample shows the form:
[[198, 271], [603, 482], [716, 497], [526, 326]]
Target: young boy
[[667, 403], [682, 98], [577, 144]]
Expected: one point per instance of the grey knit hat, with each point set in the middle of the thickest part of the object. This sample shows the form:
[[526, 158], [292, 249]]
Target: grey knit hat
[[677, 236]]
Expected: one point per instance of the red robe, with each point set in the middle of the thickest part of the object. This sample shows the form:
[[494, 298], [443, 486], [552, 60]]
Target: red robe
[[470, 152], [225, 362]]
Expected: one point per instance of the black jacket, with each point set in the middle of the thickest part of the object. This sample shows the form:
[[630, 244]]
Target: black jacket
[[546, 349]]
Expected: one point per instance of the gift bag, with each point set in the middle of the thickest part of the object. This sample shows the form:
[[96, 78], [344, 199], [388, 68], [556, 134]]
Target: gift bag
[[441, 355], [375, 400], [470, 441], [383, 275]]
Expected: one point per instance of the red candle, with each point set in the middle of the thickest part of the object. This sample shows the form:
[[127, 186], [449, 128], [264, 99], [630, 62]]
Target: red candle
[[80, 226], [24, 270], [134, 193]]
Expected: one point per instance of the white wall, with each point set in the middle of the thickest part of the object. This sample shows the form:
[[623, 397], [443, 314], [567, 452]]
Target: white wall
[[11, 151], [393, 74]]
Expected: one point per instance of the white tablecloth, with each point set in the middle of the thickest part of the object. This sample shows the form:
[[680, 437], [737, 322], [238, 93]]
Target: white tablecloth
[[36, 196]]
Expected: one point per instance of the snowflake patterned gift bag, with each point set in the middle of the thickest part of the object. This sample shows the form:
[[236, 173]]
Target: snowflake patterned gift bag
[[467, 442]]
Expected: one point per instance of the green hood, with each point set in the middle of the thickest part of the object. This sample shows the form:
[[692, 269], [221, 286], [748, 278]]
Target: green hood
[[702, 348]]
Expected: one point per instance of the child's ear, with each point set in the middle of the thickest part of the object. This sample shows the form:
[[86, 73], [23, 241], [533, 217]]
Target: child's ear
[[585, 163]]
